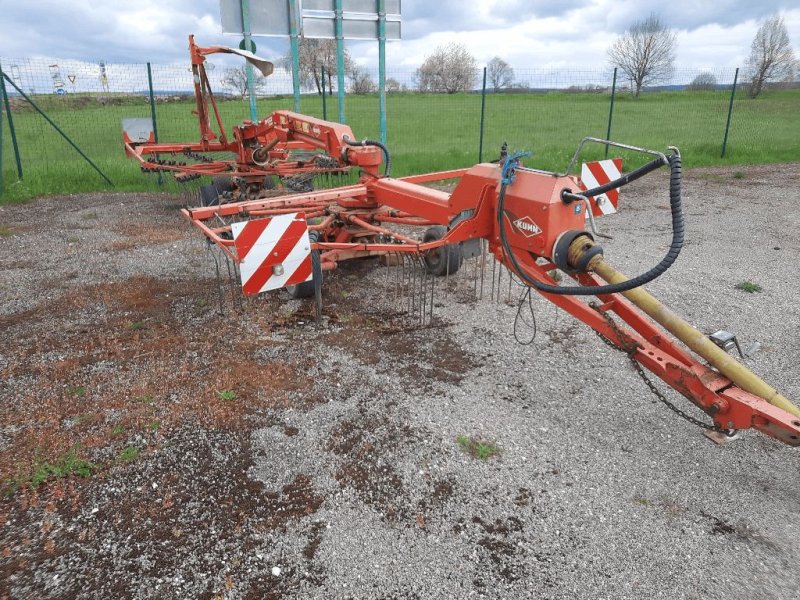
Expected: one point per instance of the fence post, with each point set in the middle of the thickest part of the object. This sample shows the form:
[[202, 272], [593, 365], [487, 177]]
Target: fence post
[[483, 114], [1, 146], [153, 114], [324, 101], [730, 111], [611, 108], [57, 128], [11, 129]]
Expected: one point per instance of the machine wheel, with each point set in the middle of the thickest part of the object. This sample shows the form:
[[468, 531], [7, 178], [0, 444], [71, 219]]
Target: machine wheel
[[210, 194], [307, 289], [444, 260]]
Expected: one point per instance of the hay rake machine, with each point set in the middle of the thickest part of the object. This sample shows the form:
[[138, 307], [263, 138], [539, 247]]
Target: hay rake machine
[[292, 147], [535, 224]]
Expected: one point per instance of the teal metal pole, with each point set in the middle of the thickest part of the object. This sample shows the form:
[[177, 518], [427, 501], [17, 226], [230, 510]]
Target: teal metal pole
[[339, 58], [153, 113], [730, 112], [611, 108], [58, 129], [251, 80], [382, 66], [483, 114], [295, 44], [324, 101], [10, 118]]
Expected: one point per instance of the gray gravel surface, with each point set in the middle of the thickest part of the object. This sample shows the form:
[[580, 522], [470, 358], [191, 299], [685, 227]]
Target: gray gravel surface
[[336, 472]]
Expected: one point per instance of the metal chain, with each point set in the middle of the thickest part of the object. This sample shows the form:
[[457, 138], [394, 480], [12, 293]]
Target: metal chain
[[630, 351]]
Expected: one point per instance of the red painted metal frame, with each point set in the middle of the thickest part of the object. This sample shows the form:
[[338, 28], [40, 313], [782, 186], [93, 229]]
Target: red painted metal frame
[[351, 227], [267, 147]]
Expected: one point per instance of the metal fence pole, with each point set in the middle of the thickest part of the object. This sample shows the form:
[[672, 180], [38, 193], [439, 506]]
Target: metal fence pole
[[611, 108], [11, 129], [730, 111], [339, 58], [324, 101], [58, 129], [483, 114], [382, 67], [153, 114], [251, 83], [295, 44]]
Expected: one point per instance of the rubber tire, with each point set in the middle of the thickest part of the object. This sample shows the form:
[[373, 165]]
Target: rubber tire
[[308, 288], [211, 193], [444, 260]]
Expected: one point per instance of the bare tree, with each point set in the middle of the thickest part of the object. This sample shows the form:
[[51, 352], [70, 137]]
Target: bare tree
[[704, 81], [500, 73], [315, 54], [449, 69], [771, 55], [392, 85], [645, 53], [236, 79], [360, 80]]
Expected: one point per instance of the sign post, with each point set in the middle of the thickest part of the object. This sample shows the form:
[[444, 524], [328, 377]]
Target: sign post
[[245, 6], [295, 44], [382, 67]]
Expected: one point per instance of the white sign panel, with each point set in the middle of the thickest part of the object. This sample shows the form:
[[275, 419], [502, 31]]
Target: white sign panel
[[317, 18]]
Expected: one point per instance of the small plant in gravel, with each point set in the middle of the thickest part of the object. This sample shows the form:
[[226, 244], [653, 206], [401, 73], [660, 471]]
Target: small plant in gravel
[[6, 231], [129, 453], [146, 399], [117, 430], [226, 395], [136, 326], [477, 448], [555, 274], [748, 286], [91, 215], [63, 466], [154, 426], [73, 240], [77, 390], [738, 175]]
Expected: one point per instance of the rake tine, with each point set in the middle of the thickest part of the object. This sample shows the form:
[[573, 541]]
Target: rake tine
[[483, 266], [423, 290], [510, 281], [219, 280]]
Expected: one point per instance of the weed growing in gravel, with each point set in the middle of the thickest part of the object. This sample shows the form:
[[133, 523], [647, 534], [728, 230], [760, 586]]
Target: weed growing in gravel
[[6, 231], [748, 286], [73, 240], [136, 326], [477, 448], [146, 399], [555, 274], [738, 175], [77, 390], [117, 430], [153, 426], [64, 466], [128, 454], [226, 395], [91, 215]]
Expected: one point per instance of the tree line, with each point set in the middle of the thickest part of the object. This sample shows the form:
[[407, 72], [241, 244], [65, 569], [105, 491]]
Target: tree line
[[644, 54]]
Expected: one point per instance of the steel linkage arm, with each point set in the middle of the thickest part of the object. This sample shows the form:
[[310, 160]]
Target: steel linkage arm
[[724, 388]]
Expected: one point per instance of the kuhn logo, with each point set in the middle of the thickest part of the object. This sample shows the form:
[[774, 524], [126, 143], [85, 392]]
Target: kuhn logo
[[527, 227]]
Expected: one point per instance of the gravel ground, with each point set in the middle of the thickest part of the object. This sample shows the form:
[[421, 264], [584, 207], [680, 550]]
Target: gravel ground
[[252, 455]]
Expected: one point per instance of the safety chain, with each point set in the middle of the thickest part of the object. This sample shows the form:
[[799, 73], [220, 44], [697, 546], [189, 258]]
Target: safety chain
[[630, 350]]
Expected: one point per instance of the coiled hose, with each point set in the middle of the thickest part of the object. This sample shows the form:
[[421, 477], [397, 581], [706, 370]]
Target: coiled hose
[[674, 161], [387, 171]]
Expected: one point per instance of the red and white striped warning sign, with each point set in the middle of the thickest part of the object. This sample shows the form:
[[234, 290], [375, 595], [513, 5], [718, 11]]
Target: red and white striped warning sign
[[598, 173], [273, 253]]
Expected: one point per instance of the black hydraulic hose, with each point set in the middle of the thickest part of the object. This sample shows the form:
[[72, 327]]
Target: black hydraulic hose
[[387, 171], [674, 161], [568, 196]]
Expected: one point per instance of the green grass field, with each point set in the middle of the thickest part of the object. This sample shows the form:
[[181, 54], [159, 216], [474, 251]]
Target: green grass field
[[425, 132]]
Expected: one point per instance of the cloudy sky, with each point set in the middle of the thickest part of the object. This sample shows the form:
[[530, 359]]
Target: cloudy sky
[[571, 34]]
